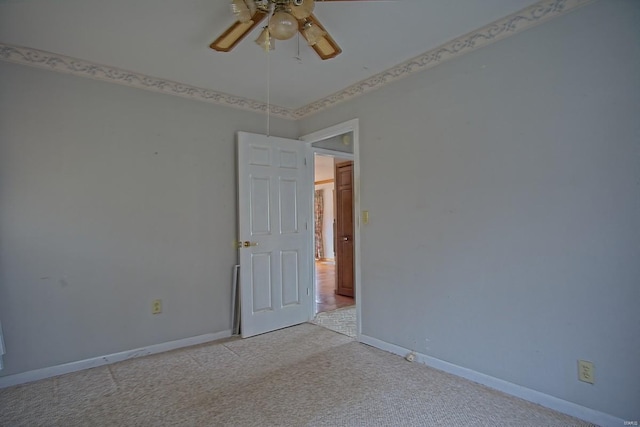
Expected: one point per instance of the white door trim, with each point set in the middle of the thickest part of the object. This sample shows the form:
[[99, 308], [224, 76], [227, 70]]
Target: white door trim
[[339, 129], [331, 153]]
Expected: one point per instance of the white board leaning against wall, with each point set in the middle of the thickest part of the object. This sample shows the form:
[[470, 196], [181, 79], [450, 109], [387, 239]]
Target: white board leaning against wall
[[1, 347]]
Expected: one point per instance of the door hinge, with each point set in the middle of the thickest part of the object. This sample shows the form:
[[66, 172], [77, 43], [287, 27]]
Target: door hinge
[[307, 291], [305, 161]]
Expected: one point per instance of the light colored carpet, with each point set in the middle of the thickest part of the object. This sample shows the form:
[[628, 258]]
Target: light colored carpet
[[342, 320], [300, 376]]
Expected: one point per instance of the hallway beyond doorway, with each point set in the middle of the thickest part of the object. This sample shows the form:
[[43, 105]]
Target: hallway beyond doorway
[[326, 298]]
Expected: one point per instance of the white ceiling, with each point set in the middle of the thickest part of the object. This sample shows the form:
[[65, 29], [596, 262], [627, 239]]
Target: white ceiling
[[169, 39]]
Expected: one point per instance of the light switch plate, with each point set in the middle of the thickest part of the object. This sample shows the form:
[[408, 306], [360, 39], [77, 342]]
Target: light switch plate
[[365, 217]]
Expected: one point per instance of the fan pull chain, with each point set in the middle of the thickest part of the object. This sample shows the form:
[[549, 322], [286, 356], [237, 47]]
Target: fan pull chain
[[269, 41], [298, 58], [268, 89]]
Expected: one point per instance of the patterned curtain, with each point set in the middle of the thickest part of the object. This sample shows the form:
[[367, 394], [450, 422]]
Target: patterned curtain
[[319, 210]]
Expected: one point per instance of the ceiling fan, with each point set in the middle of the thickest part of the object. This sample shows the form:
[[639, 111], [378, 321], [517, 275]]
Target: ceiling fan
[[286, 19]]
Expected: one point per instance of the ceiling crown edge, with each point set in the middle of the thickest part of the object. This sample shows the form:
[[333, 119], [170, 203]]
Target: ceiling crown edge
[[529, 17], [526, 18], [79, 67]]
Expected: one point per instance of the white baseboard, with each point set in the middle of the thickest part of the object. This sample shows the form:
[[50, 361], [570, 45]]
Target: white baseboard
[[52, 371], [548, 401]]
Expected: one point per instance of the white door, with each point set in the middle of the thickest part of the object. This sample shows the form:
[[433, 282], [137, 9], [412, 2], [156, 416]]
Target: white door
[[273, 221]]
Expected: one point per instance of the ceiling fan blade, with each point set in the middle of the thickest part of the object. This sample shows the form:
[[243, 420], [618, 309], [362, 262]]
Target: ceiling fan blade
[[235, 33], [326, 47]]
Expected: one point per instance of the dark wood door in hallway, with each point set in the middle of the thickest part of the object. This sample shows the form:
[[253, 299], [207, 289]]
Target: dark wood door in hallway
[[344, 229]]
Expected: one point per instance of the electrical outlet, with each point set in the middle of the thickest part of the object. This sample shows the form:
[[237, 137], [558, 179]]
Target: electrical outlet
[[156, 306], [586, 372]]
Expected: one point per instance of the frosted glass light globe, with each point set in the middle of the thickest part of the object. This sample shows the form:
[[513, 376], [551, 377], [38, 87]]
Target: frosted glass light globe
[[283, 25]]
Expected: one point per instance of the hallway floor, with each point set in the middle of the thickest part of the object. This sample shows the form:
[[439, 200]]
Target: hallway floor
[[326, 298]]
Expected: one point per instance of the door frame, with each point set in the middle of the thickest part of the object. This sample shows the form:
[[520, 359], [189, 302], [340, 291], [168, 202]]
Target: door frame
[[336, 130]]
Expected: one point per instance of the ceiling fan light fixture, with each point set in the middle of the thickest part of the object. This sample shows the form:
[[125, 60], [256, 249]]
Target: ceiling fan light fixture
[[302, 8], [265, 40], [253, 7], [241, 10], [283, 25], [313, 33], [325, 46]]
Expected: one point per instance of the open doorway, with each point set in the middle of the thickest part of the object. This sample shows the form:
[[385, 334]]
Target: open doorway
[[333, 232], [339, 141]]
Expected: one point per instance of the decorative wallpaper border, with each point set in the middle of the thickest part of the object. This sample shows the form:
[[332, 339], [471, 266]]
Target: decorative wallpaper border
[[529, 17], [80, 67], [498, 30]]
